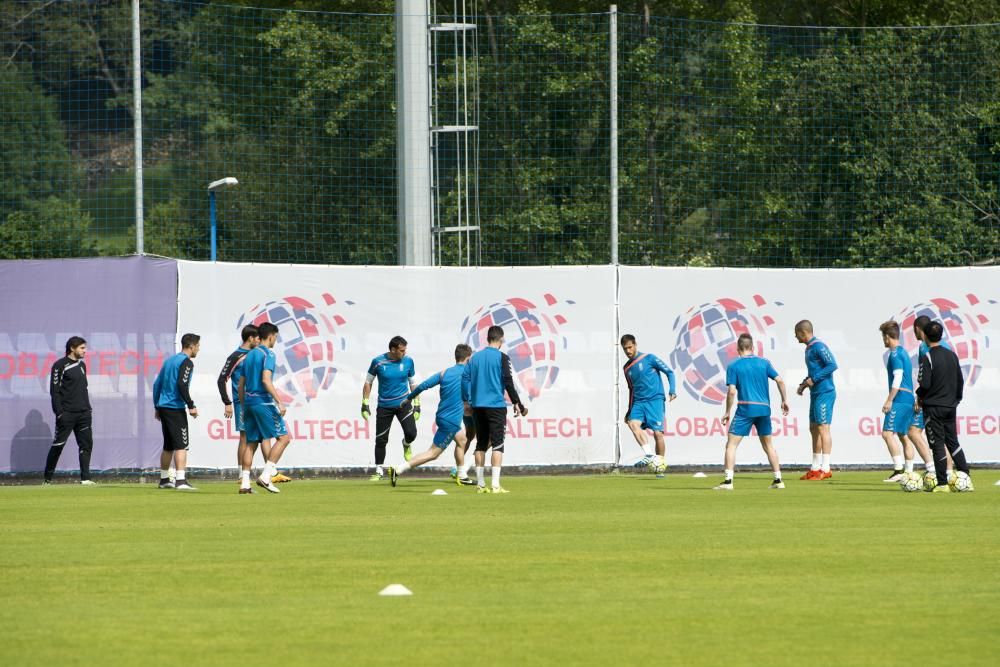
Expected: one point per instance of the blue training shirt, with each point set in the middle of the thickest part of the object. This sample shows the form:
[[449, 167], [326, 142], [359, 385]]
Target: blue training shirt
[[393, 379], [820, 366], [898, 359], [238, 373], [172, 383], [486, 377], [750, 376], [642, 372], [451, 406], [258, 360]]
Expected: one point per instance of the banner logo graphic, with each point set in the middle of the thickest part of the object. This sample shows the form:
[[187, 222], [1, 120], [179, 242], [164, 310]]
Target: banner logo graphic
[[307, 343], [531, 335], [706, 343], [962, 330]]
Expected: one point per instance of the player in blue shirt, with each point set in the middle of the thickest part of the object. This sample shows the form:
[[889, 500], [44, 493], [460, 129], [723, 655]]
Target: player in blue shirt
[[646, 409], [171, 396], [747, 379], [263, 410], [394, 372], [917, 433], [449, 417], [230, 374], [820, 366], [486, 379], [898, 407]]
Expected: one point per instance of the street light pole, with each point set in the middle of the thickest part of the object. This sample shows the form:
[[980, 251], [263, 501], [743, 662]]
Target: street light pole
[[228, 181]]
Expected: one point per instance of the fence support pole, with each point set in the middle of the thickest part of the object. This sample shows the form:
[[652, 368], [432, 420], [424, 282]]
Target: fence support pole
[[614, 131], [613, 78], [137, 125]]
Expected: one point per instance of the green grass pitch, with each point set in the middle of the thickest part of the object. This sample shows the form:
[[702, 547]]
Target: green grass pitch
[[595, 570]]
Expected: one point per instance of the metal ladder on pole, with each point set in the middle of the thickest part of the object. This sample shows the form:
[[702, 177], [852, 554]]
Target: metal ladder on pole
[[454, 135]]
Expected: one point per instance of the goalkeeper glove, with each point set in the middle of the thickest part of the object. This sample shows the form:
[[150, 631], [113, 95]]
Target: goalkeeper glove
[[365, 412], [416, 409]]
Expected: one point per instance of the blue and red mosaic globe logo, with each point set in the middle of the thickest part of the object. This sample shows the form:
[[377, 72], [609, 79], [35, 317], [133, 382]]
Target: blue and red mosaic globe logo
[[532, 338], [706, 343], [963, 330], [308, 341]]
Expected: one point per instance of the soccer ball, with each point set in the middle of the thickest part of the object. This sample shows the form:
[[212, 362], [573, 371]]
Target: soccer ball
[[962, 482], [659, 468], [930, 482], [912, 482]]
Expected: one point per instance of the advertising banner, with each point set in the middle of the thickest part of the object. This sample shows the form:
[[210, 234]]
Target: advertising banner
[[691, 318], [126, 309], [558, 321]]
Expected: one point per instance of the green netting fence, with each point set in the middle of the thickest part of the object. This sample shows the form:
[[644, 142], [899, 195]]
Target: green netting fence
[[738, 144]]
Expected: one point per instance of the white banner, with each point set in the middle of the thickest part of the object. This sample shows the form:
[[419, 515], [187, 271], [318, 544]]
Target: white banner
[[690, 317], [559, 325]]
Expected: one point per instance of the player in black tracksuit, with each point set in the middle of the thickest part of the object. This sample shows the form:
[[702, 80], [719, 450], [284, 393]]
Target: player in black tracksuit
[[939, 393], [71, 406]]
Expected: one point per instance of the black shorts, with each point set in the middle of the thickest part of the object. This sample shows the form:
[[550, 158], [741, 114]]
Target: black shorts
[[491, 428], [174, 423]]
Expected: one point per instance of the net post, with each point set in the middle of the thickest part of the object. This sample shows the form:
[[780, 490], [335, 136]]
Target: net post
[[613, 76]]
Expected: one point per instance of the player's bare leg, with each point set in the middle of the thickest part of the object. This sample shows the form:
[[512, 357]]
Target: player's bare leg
[[729, 460], [826, 449], [816, 469], [909, 452], [639, 433], [271, 462], [896, 452], [767, 442], [246, 463]]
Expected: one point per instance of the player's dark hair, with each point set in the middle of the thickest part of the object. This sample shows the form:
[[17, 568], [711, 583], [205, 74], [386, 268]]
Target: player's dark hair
[[890, 328], [494, 333], [627, 338], [744, 342], [462, 352], [189, 340], [249, 331], [933, 331], [397, 342], [266, 330], [921, 322], [74, 342], [805, 326]]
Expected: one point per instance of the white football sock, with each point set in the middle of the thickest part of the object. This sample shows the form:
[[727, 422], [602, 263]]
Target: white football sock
[[929, 467], [164, 473], [403, 467], [464, 470], [647, 450], [729, 476], [817, 461], [479, 476], [245, 479], [496, 477], [825, 462], [908, 466], [180, 475], [379, 471], [897, 462]]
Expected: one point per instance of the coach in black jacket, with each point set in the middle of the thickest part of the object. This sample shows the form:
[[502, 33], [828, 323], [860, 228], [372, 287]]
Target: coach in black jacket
[[71, 405], [939, 393]]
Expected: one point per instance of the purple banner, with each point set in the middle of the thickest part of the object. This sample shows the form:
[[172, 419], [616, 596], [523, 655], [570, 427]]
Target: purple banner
[[126, 309]]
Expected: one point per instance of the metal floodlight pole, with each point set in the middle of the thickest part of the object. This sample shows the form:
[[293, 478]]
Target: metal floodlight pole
[[226, 182], [137, 125], [413, 133]]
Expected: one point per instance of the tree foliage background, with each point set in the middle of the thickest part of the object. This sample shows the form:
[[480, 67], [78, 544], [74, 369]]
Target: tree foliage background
[[748, 136]]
